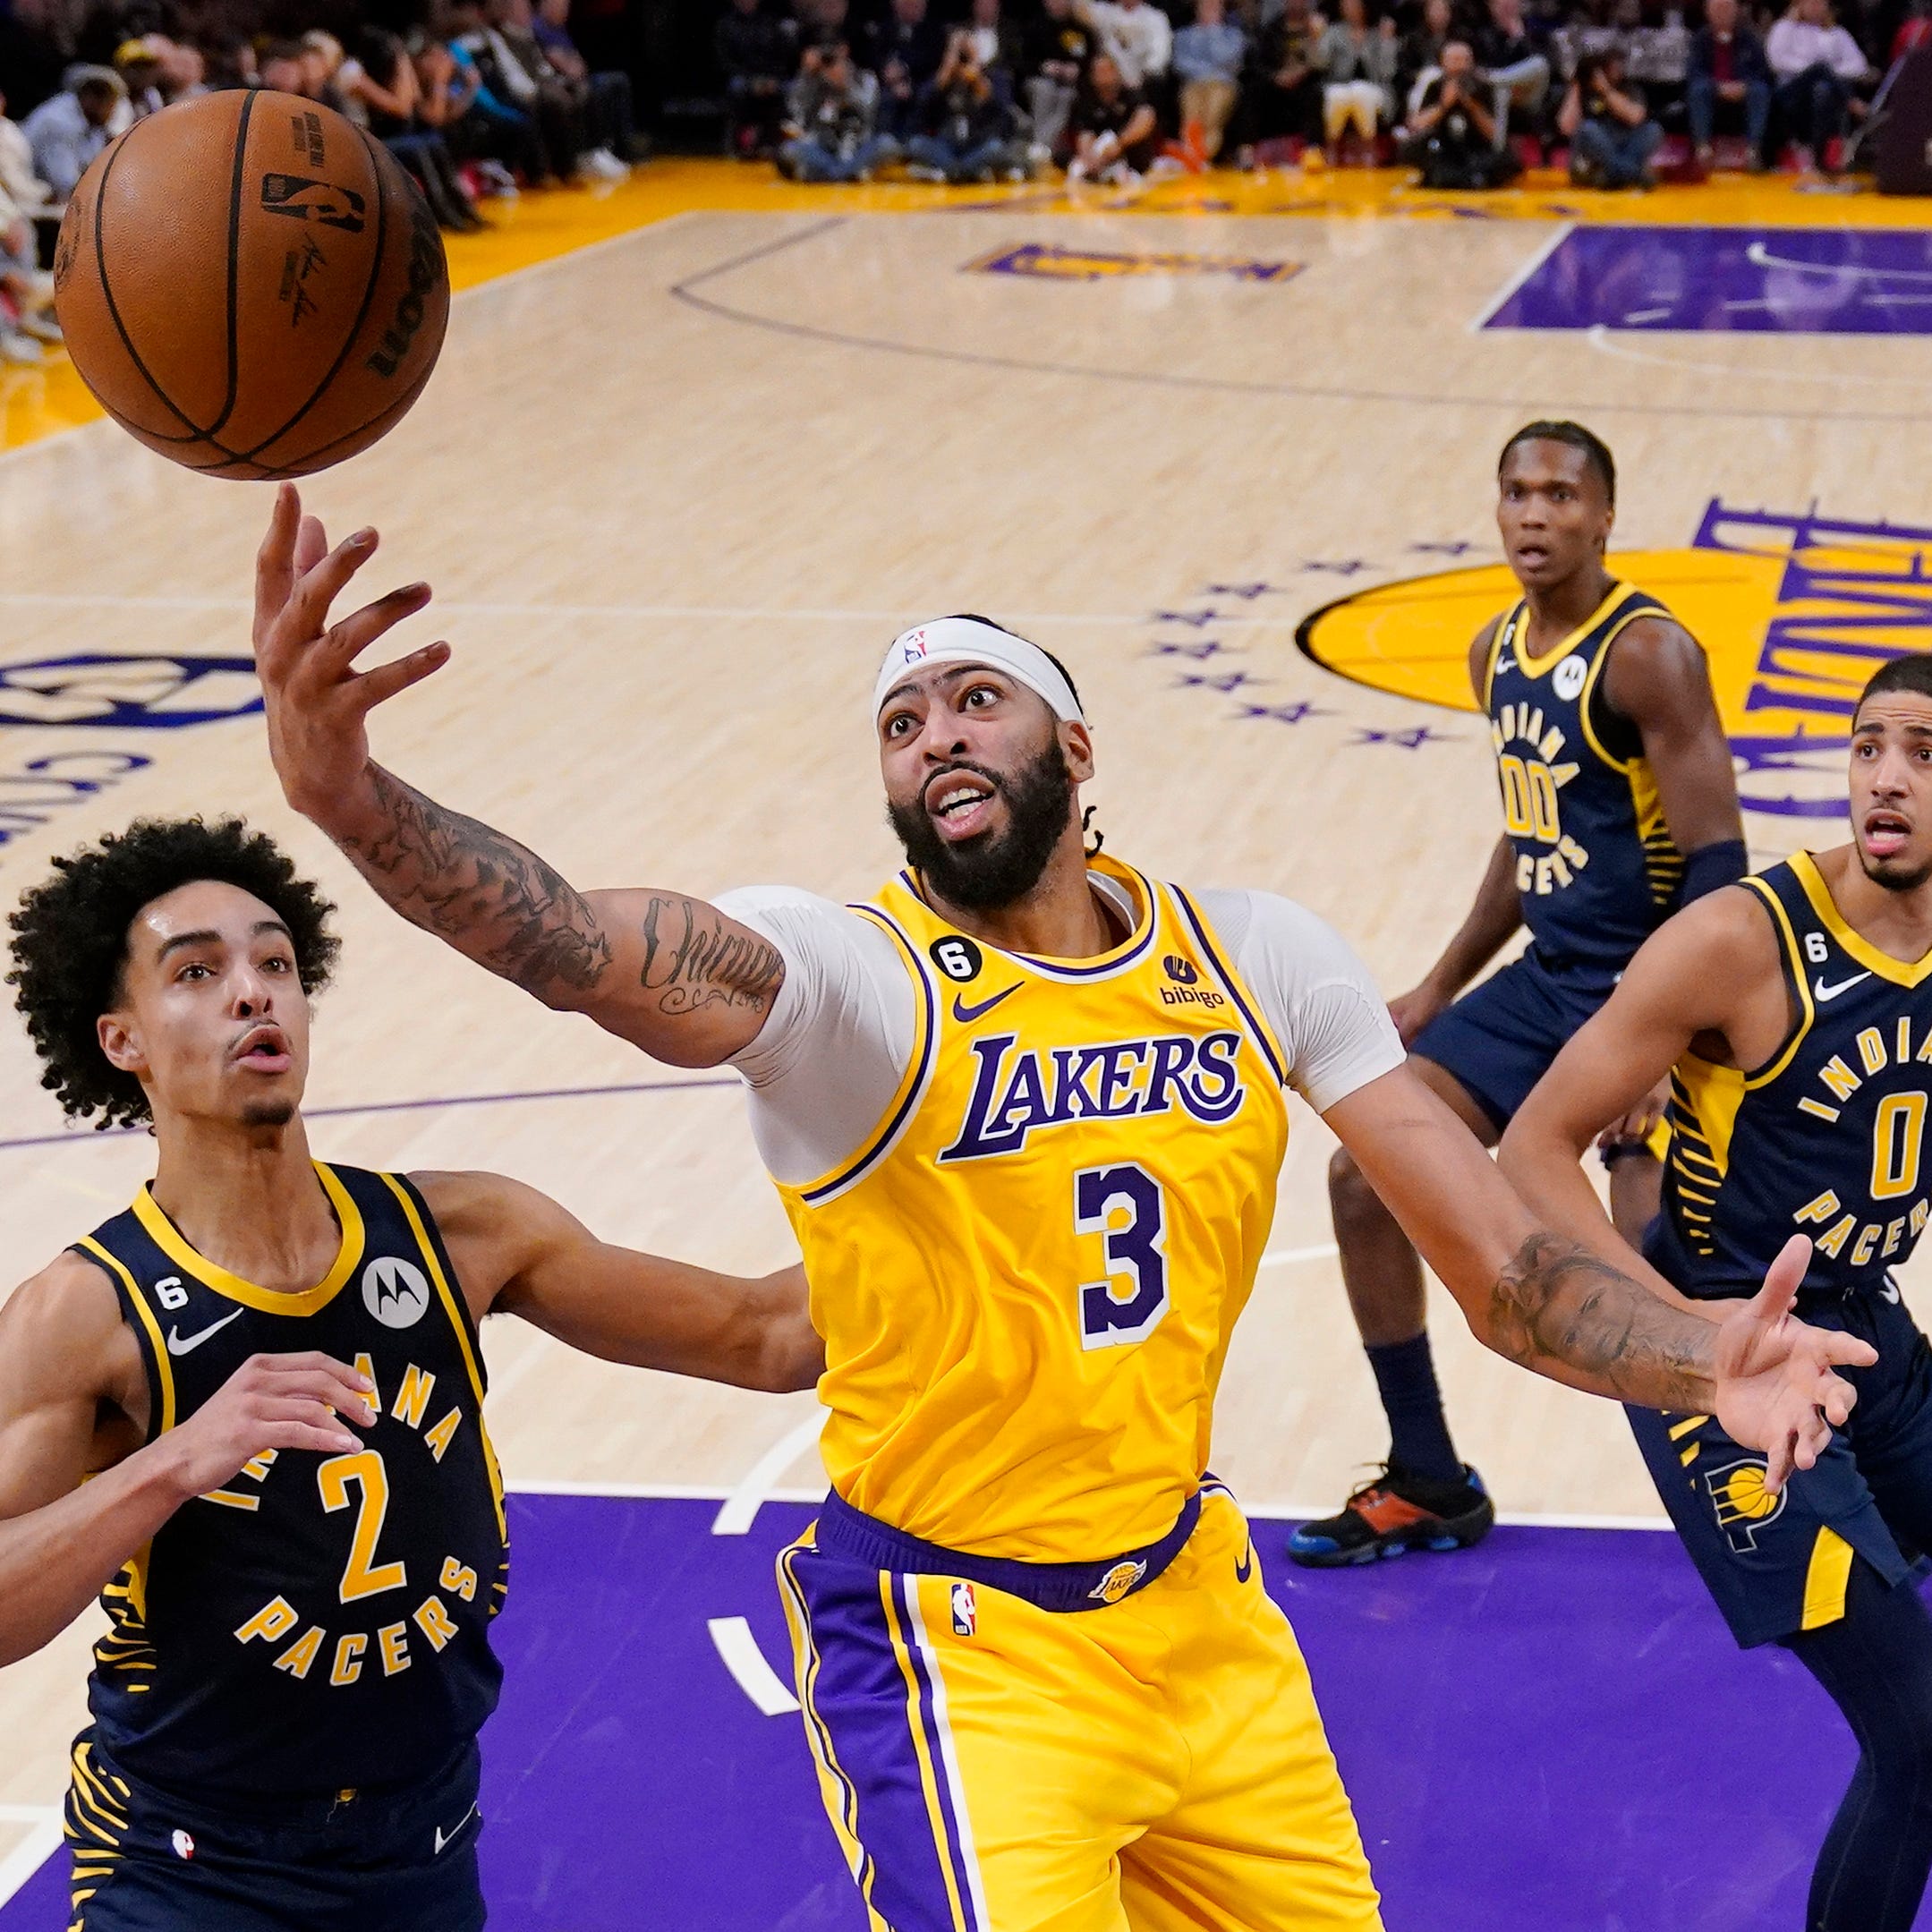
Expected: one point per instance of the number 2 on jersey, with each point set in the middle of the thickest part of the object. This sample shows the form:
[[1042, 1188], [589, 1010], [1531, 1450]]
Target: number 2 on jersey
[[1135, 1249], [362, 1576]]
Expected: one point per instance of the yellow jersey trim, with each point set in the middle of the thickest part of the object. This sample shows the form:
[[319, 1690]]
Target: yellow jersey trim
[[1827, 1577], [1900, 971], [462, 1331], [1788, 940], [1103, 965], [903, 1105], [1505, 629], [164, 1373], [178, 1249], [1258, 1029], [1648, 608], [1534, 668]]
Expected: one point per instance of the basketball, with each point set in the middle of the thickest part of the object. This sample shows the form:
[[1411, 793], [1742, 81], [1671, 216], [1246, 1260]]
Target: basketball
[[251, 285]]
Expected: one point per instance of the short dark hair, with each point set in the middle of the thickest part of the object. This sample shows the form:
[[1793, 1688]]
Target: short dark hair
[[1006, 630], [1911, 672], [1596, 451], [71, 935]]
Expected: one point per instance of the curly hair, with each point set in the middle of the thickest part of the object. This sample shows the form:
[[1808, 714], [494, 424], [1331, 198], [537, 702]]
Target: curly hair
[[71, 938]]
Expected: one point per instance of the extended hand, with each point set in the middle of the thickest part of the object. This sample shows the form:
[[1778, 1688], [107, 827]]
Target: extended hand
[[1778, 1390], [317, 703], [272, 1401], [1412, 1011]]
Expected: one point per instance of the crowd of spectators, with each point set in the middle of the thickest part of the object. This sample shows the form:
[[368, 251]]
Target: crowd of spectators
[[481, 99], [1466, 91]]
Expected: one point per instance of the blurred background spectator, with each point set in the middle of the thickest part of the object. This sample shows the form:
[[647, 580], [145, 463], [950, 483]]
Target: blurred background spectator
[[832, 130], [1612, 136], [1208, 58], [68, 129], [1518, 75], [970, 132], [1282, 111], [1357, 64], [1729, 82], [1816, 65], [1054, 58], [1114, 129], [1454, 131], [756, 59]]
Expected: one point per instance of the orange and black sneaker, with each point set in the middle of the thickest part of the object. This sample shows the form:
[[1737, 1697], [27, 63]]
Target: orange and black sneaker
[[1394, 1513]]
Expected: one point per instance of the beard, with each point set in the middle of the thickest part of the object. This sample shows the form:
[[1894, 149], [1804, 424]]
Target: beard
[[994, 870], [1892, 876], [267, 1113]]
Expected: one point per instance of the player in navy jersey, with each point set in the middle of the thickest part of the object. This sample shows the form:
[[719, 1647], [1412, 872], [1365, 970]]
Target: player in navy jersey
[[248, 1413], [1796, 1011], [1619, 806]]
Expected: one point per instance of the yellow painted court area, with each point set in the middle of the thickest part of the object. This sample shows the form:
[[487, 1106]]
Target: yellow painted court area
[[537, 228]]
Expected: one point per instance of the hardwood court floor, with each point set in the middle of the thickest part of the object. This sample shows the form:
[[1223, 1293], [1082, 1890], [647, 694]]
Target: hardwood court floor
[[676, 491]]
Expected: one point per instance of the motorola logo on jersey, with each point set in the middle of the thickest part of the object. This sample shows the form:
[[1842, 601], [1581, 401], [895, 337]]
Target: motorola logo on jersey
[[1567, 677], [394, 1291], [1016, 1094]]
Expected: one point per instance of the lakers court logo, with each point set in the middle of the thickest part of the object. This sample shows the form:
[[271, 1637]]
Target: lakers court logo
[[1795, 610]]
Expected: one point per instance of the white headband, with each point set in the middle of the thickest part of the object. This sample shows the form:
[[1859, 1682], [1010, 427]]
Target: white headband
[[970, 641]]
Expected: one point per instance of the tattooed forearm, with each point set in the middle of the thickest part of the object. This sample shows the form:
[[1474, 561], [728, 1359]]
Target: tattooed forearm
[[694, 958], [1555, 1301], [484, 893]]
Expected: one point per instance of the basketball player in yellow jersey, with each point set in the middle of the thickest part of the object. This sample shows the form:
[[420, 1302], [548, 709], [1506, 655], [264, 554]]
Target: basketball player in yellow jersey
[[1025, 1111]]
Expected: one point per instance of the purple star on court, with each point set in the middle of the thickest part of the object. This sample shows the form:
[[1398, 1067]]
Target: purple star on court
[[1410, 740], [1340, 567], [1283, 714], [1207, 648], [1198, 619], [1227, 683], [1444, 549], [1246, 592]]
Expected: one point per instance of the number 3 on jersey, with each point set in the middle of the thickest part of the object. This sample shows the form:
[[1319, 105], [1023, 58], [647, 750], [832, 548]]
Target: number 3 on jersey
[[1124, 1206]]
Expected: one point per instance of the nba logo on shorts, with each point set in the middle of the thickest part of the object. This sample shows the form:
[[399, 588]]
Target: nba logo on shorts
[[184, 1845], [966, 1611]]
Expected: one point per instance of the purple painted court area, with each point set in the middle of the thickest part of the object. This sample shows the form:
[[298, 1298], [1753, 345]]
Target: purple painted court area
[[1793, 281], [1549, 1734]]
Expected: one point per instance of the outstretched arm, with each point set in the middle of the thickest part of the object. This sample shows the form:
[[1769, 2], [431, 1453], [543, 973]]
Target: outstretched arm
[[518, 1252], [669, 973], [1549, 1304], [65, 1360]]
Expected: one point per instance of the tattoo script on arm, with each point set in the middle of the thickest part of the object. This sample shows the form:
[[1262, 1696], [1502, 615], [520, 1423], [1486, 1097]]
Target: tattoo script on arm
[[694, 958], [488, 896], [1555, 1301]]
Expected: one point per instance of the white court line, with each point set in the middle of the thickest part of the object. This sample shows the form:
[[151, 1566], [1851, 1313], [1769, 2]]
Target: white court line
[[1599, 337], [43, 1839], [1131, 619], [1285, 1258], [733, 1642], [743, 1504], [1522, 275]]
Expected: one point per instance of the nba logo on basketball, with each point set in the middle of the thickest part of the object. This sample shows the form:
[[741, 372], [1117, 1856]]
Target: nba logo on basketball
[[966, 1611]]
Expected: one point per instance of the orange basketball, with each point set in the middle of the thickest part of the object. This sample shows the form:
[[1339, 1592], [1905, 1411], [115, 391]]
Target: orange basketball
[[252, 286]]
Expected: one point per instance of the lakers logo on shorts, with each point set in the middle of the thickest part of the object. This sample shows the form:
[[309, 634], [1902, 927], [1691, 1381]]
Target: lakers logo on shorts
[[1743, 1505], [1119, 1581]]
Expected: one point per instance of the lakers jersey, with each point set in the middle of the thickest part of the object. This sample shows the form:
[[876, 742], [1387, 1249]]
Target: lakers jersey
[[318, 1622], [1027, 1276], [1596, 868], [1826, 1140]]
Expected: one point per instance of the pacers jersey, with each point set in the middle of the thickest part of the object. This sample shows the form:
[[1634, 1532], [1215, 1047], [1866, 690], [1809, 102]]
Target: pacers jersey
[[1026, 1278], [319, 1621], [1826, 1140], [1596, 868]]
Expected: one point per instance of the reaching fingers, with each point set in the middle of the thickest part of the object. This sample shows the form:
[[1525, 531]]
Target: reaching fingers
[[383, 683], [1773, 1301], [319, 1435], [333, 1392], [1847, 1351], [275, 562], [305, 616], [1778, 1464], [297, 1360], [346, 641], [311, 545]]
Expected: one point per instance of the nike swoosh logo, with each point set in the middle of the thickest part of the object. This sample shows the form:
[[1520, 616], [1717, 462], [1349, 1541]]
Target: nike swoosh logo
[[180, 1344], [966, 1015], [449, 1838], [1244, 1568], [1826, 993]]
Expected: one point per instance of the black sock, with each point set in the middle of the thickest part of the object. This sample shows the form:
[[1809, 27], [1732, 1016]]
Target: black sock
[[1418, 1436], [1876, 1663]]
